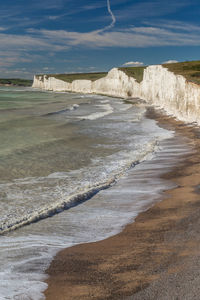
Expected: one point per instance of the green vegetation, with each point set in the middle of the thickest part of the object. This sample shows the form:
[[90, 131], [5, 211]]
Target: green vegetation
[[135, 72], [78, 76], [15, 81], [189, 69]]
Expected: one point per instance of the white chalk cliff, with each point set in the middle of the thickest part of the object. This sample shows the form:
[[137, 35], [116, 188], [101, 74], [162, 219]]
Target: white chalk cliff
[[160, 87]]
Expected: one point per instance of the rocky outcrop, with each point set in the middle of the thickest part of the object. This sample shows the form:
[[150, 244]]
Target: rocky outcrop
[[159, 87]]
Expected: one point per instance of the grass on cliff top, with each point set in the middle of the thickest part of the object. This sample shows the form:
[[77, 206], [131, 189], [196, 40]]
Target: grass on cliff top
[[78, 76], [189, 69], [135, 72], [16, 81]]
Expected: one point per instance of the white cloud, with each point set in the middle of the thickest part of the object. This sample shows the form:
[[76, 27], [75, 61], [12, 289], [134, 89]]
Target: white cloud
[[53, 17], [140, 36], [171, 61], [20, 48], [133, 64], [175, 25], [48, 68], [15, 73], [62, 40], [3, 28]]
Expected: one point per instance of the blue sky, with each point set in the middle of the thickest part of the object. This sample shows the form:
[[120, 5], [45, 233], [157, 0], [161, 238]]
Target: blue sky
[[64, 36]]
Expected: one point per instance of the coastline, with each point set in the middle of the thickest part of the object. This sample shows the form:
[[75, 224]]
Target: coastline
[[159, 86], [156, 243]]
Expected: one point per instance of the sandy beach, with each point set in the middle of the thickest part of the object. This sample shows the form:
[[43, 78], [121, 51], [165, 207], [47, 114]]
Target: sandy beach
[[156, 257]]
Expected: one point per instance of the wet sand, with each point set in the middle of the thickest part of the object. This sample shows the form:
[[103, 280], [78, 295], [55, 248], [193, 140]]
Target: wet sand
[[156, 257]]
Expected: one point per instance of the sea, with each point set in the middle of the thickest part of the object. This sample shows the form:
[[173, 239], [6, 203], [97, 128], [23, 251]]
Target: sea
[[74, 169]]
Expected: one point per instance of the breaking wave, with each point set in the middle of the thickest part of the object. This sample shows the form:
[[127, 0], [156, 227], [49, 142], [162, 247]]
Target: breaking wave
[[73, 107], [97, 115], [86, 191]]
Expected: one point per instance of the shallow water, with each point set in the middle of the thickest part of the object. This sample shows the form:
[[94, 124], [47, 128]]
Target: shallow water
[[95, 155]]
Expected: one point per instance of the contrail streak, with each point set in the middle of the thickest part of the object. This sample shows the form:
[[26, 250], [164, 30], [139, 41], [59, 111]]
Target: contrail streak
[[111, 14], [113, 19]]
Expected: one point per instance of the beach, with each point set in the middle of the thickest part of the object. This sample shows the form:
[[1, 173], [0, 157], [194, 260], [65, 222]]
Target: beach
[[155, 257]]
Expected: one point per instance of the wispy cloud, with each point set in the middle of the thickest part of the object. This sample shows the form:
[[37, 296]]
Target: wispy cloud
[[76, 10], [149, 9], [140, 36], [3, 28], [174, 25], [16, 49]]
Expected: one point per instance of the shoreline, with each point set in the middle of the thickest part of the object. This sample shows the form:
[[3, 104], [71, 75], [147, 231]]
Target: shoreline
[[128, 262]]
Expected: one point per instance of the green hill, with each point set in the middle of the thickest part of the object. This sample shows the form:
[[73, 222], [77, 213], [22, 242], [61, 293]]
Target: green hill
[[189, 69], [135, 72], [77, 76]]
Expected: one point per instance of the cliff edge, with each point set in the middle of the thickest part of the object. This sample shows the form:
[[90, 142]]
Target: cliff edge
[[160, 87]]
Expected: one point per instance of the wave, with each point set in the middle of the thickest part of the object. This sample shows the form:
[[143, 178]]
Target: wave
[[16, 89], [105, 101], [73, 107], [97, 115], [126, 107], [87, 192]]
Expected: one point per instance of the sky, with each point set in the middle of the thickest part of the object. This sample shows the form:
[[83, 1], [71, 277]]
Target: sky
[[70, 36]]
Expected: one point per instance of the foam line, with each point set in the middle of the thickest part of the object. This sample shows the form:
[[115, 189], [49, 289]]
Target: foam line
[[108, 110], [75, 199]]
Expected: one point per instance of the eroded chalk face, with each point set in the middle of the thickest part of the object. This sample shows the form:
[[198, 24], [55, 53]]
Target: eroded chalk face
[[173, 93]]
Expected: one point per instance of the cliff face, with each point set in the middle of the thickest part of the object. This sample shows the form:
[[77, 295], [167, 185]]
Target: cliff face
[[159, 87], [116, 83], [172, 93]]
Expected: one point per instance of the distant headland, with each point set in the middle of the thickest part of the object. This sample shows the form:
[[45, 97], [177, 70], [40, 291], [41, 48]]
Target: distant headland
[[15, 82]]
